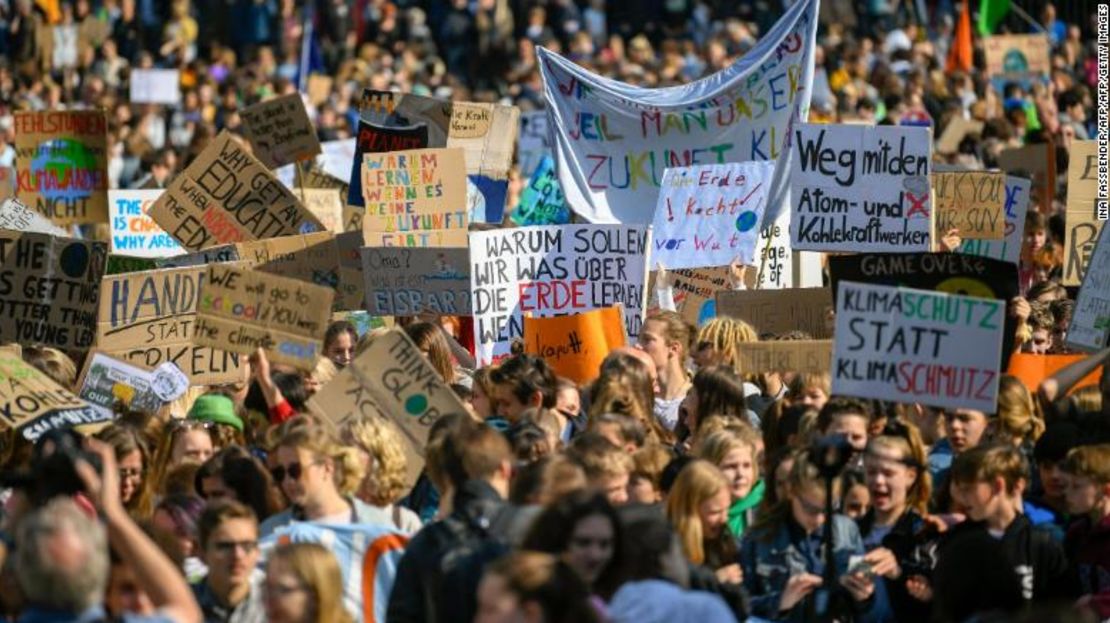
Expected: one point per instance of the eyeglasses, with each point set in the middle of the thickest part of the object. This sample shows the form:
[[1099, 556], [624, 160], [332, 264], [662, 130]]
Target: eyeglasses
[[293, 470], [229, 547]]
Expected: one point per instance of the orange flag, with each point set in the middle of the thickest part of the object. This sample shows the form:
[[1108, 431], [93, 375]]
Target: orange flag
[[959, 57], [575, 345], [1032, 369]]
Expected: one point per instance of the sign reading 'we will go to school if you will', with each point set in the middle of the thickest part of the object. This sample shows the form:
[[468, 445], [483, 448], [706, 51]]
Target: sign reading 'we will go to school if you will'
[[910, 345], [861, 189]]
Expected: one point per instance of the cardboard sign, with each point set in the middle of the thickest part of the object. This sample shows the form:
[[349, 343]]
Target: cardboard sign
[[414, 190], [1017, 58], [779, 311], [62, 164], [391, 379], [7, 182], [318, 88], [1030, 162], [709, 215], [858, 188], [211, 255], [1090, 321], [121, 264], [280, 131], [326, 204], [413, 239], [787, 356], [241, 310], [107, 382], [313, 258], [575, 345], [407, 282], [908, 345], [155, 86], [15, 216], [1082, 225], [942, 272], [695, 291], [225, 196], [1032, 369], [973, 202], [954, 133], [133, 231], [33, 403], [550, 271], [533, 146], [1009, 248], [48, 289], [542, 201], [351, 292], [146, 319]]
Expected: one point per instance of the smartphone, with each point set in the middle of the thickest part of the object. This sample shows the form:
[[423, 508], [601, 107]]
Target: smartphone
[[856, 564]]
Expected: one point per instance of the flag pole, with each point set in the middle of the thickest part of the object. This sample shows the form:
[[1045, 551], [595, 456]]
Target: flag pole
[[1025, 16]]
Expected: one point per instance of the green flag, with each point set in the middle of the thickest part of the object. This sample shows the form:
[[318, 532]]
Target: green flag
[[991, 12]]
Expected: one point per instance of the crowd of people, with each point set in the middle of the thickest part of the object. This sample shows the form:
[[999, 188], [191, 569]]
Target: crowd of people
[[677, 485]]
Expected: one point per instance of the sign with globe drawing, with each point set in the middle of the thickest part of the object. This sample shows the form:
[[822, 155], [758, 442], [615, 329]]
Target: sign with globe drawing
[[62, 164]]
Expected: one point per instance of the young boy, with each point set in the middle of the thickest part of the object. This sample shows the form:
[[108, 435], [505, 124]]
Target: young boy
[[987, 481], [607, 466], [1087, 474]]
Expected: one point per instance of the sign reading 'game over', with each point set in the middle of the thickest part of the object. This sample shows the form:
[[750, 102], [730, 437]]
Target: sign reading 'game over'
[[227, 196]]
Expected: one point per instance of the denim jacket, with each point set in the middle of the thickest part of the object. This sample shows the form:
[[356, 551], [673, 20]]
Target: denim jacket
[[769, 562]]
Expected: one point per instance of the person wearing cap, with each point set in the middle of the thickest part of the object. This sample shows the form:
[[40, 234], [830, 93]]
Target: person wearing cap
[[219, 411]]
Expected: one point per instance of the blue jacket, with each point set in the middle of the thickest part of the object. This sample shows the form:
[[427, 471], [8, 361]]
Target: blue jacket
[[769, 562]]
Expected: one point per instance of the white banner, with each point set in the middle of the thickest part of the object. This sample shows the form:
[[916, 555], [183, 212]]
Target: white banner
[[1090, 322], [612, 141], [134, 233]]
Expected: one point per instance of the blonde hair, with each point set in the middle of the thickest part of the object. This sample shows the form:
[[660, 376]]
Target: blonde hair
[[381, 439], [697, 482], [1089, 461], [907, 443], [623, 392], [806, 380], [1088, 399], [725, 335], [306, 433], [54, 364], [324, 371], [316, 567], [804, 478], [1017, 413], [716, 446], [650, 461]]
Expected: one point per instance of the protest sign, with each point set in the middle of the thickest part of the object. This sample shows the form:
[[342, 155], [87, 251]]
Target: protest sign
[[552, 270], [943, 272], [211, 255], [954, 133], [908, 345], [407, 282], [1009, 248], [15, 216], [695, 291], [373, 139], [7, 182], [133, 231], [336, 158], [155, 86], [48, 289], [107, 382], [120, 264], [973, 202], [312, 257], [860, 188], [1017, 58], [780, 311], [612, 140], [147, 318], [413, 239], [414, 190], [575, 345], [778, 265], [1090, 321], [709, 215], [326, 204], [280, 131], [318, 88], [533, 146], [225, 196], [62, 164], [241, 310], [541, 201], [1031, 369], [32, 403], [1030, 161], [1082, 224], [787, 356], [350, 295], [393, 380], [11, 349]]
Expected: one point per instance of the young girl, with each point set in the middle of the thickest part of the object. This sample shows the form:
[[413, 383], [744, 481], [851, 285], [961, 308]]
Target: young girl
[[733, 451], [783, 557], [583, 529], [697, 506]]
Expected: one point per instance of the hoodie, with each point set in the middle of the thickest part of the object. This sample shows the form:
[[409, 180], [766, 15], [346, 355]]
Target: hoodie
[[658, 601]]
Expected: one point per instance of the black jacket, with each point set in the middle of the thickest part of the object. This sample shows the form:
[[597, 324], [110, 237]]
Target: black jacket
[[914, 545], [437, 578]]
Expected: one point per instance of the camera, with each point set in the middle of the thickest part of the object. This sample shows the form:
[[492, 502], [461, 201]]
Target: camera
[[52, 471], [831, 454]]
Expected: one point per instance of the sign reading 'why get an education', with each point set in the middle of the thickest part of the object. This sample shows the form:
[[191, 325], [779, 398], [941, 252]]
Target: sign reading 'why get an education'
[[909, 345], [858, 188], [550, 271]]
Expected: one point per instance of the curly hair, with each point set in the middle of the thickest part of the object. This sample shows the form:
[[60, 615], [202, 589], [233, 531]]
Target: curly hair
[[304, 432], [385, 481]]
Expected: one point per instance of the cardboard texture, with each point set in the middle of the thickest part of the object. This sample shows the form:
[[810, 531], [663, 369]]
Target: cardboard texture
[[1081, 224], [351, 292], [312, 257], [414, 190], [62, 164], [780, 311], [48, 289], [407, 282], [787, 356], [211, 255], [974, 202], [955, 132], [280, 131], [147, 318], [241, 310], [575, 345], [226, 196], [17, 217], [1017, 57], [692, 288], [32, 403], [391, 379], [326, 204], [413, 239], [1009, 248]]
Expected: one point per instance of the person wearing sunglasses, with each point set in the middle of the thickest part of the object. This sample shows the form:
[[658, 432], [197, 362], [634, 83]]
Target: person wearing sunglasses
[[227, 532], [319, 476]]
